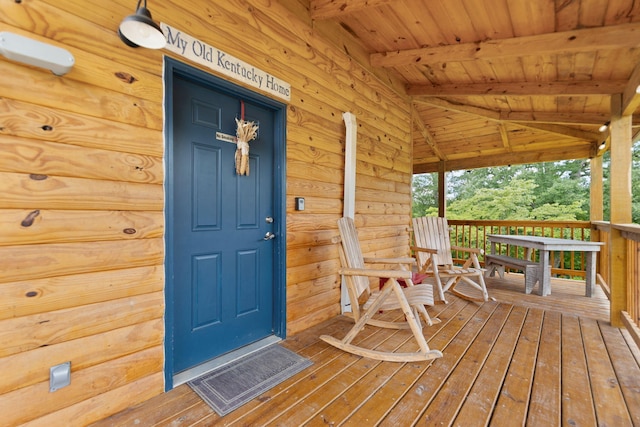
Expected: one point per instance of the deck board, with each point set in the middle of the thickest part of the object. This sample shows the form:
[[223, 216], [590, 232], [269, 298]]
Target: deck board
[[545, 402], [512, 406], [410, 408], [627, 370], [384, 398], [523, 359], [478, 407], [611, 409], [567, 296], [577, 401], [451, 395]]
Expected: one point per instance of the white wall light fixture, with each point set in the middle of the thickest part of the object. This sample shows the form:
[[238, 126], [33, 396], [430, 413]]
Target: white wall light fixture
[[32, 52], [140, 30]]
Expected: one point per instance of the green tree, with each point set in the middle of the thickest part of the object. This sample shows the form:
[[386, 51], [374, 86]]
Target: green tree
[[464, 184], [425, 194], [635, 184], [554, 190], [512, 201], [563, 184], [557, 212]]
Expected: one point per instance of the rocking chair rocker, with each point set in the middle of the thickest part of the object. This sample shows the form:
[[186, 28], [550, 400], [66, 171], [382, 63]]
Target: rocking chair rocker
[[411, 300]]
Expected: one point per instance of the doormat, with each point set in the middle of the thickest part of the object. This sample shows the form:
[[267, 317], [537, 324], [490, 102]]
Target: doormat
[[231, 386]]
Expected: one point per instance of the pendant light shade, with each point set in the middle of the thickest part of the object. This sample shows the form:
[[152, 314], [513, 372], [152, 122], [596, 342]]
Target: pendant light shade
[[604, 127], [140, 30]]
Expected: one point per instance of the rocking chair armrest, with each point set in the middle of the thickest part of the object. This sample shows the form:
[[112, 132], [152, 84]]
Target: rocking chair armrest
[[465, 249], [390, 260], [419, 249], [396, 274]]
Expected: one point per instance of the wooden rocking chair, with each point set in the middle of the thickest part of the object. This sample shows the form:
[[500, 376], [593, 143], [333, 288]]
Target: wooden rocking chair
[[411, 300], [433, 253]]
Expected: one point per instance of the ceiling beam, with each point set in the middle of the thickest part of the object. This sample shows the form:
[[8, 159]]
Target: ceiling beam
[[630, 96], [564, 131], [572, 88], [504, 135], [583, 40], [513, 158], [461, 108], [430, 160], [426, 135], [555, 117], [530, 122], [327, 9]]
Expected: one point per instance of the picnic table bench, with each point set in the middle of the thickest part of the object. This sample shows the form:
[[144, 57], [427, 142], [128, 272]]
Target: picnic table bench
[[498, 263]]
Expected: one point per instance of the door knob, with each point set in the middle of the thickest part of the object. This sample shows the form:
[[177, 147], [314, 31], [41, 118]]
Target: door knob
[[269, 236]]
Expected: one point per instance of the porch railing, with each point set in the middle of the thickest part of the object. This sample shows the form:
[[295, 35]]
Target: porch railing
[[631, 233], [470, 233]]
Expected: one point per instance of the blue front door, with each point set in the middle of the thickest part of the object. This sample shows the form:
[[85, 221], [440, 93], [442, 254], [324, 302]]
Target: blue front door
[[222, 258]]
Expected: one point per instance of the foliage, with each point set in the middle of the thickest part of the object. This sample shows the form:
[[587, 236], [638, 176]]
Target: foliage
[[635, 184], [558, 212], [541, 191], [512, 201], [425, 193]]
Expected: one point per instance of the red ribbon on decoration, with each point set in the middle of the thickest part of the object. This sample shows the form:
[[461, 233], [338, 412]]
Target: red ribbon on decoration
[[241, 109]]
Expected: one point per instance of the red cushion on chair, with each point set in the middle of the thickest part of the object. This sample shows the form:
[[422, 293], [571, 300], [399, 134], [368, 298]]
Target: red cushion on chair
[[415, 278]]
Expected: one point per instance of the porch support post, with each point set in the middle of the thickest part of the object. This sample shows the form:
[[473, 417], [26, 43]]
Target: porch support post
[[596, 205], [620, 207], [442, 189]]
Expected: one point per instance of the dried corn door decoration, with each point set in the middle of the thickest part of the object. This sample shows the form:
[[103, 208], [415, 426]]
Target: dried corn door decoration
[[246, 131]]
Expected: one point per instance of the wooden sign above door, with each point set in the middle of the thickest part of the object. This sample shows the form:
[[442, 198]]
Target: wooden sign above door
[[228, 65]]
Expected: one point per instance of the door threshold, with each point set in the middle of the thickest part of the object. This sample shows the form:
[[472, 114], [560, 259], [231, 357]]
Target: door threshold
[[210, 365]]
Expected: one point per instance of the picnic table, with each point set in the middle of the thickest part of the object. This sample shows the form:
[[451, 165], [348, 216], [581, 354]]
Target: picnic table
[[546, 245]]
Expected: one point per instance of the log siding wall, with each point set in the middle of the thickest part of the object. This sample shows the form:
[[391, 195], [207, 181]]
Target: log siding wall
[[82, 198]]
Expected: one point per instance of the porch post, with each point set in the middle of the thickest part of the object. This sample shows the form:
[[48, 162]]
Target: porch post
[[596, 205], [620, 201], [442, 190]]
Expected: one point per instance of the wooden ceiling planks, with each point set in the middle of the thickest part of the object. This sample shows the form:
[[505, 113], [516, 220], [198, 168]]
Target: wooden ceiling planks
[[488, 75]]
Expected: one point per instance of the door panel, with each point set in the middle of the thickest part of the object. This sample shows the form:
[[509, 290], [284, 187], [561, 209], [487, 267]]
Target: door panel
[[206, 204], [223, 270]]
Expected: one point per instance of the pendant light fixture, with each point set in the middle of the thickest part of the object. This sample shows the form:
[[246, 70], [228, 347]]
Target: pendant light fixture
[[604, 127], [140, 30]]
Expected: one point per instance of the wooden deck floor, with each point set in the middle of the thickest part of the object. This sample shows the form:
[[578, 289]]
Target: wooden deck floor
[[539, 361]]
